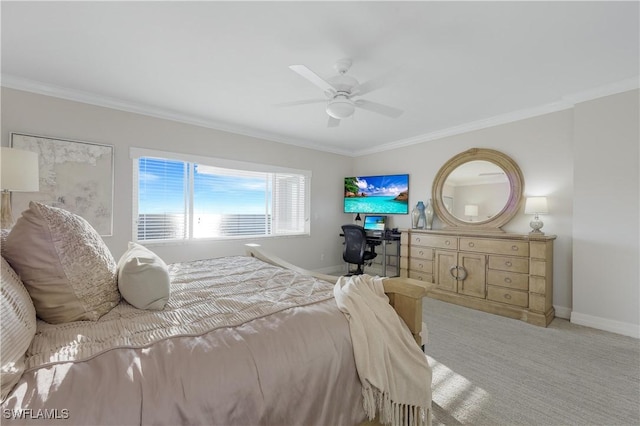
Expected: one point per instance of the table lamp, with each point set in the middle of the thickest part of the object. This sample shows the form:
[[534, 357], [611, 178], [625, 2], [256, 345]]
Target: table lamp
[[19, 173], [471, 210], [536, 206]]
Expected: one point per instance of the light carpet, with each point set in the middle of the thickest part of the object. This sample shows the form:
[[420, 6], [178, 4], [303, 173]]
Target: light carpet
[[491, 370]]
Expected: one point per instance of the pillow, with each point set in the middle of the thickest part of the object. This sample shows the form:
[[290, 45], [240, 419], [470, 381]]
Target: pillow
[[17, 328], [4, 233], [64, 264], [143, 278]]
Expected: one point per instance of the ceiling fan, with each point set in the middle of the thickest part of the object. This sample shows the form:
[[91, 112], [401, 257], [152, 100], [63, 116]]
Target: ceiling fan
[[340, 91]]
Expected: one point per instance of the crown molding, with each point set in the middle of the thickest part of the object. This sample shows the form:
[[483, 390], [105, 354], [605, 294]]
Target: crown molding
[[19, 83], [606, 90], [472, 126], [566, 102]]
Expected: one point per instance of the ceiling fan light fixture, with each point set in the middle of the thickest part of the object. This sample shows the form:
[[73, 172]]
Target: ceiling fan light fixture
[[340, 107]]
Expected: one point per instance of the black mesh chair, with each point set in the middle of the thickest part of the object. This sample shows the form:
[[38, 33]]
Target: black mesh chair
[[355, 248]]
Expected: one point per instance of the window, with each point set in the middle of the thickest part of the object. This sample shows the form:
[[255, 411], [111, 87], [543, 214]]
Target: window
[[182, 197]]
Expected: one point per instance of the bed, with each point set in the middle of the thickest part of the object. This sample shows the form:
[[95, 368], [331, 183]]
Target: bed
[[242, 340]]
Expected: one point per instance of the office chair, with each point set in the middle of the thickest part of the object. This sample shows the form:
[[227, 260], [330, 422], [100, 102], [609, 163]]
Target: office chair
[[355, 248]]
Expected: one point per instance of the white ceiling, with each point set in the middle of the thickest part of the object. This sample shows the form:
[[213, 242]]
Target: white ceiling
[[453, 66]]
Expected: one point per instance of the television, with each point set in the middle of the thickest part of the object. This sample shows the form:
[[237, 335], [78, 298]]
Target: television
[[384, 194]]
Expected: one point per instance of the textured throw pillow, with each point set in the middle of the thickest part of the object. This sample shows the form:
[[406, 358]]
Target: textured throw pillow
[[4, 233], [143, 278], [64, 264], [18, 326]]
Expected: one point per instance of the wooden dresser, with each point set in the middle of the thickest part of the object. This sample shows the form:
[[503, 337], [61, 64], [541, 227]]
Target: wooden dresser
[[499, 273]]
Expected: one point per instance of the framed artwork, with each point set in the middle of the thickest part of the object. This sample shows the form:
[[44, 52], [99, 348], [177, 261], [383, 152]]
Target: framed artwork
[[75, 176]]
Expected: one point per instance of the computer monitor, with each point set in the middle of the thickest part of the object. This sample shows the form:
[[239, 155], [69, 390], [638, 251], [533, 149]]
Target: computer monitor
[[375, 223]]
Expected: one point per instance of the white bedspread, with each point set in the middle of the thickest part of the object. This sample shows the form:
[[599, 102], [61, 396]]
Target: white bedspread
[[289, 365], [395, 375], [205, 295]]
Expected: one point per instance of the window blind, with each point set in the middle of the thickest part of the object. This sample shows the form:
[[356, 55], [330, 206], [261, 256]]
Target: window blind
[[162, 199], [179, 199]]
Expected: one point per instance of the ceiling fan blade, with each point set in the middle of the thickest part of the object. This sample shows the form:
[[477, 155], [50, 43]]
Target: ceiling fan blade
[[333, 122], [302, 102], [379, 108], [369, 86], [313, 77]]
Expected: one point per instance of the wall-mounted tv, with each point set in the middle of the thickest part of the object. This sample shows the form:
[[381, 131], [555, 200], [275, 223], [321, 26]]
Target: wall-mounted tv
[[385, 194]]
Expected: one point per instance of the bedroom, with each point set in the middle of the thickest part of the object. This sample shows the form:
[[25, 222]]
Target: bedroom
[[580, 146]]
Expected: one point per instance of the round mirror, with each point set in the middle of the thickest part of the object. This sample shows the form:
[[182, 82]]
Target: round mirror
[[479, 189]]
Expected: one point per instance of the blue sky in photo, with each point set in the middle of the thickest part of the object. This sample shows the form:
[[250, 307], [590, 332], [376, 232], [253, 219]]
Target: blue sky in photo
[[383, 185]]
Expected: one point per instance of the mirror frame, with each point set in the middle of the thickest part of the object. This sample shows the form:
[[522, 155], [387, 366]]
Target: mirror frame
[[513, 204]]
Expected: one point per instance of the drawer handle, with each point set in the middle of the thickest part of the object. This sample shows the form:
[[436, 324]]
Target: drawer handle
[[446, 243], [457, 274], [421, 252], [421, 266], [464, 273], [417, 239], [507, 296], [514, 248], [471, 244], [507, 280], [508, 263], [451, 272]]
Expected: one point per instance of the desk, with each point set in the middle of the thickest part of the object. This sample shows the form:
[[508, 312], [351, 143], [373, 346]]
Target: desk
[[384, 239]]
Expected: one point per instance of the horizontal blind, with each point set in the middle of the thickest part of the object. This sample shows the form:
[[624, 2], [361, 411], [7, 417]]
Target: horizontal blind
[[289, 203], [162, 199], [179, 199]]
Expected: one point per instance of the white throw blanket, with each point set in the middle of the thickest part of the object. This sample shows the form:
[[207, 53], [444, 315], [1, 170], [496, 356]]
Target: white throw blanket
[[395, 375]]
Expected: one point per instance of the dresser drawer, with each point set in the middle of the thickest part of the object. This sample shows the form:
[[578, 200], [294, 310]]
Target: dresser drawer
[[513, 248], [421, 252], [421, 276], [421, 265], [508, 296], [436, 241], [512, 264], [508, 279]]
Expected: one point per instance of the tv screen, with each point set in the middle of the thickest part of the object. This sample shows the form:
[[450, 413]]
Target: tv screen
[[385, 194], [375, 223]]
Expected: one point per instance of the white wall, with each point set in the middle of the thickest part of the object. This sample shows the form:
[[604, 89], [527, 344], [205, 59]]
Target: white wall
[[594, 209], [606, 258], [489, 197], [48, 116], [541, 146], [601, 239]]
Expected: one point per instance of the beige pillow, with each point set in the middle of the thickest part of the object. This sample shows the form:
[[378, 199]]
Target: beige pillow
[[64, 264], [143, 278], [17, 328]]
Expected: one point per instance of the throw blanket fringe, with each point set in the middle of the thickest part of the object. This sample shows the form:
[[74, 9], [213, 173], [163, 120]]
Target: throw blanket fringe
[[391, 412], [395, 375]]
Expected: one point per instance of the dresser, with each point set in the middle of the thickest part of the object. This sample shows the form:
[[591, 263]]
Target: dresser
[[500, 273]]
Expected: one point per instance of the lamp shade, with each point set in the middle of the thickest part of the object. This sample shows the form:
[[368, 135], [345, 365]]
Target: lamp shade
[[19, 171], [471, 210], [536, 205]]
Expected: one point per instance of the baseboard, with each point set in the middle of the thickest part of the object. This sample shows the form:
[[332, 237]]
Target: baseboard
[[562, 312], [618, 327], [332, 270]]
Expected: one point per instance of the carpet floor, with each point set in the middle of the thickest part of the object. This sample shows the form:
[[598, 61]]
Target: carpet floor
[[490, 370]]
